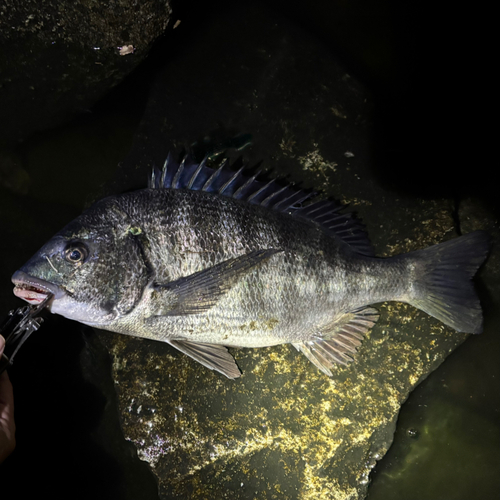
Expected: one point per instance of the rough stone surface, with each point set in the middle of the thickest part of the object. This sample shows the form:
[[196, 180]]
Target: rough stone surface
[[59, 57], [283, 430]]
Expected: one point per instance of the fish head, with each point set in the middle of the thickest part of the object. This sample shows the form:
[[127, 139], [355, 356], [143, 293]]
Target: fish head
[[94, 267]]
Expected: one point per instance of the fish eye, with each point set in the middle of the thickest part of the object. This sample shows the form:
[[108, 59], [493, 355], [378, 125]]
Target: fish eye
[[76, 253]]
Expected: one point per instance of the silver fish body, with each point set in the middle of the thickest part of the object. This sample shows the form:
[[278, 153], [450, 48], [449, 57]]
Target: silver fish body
[[202, 269], [304, 276]]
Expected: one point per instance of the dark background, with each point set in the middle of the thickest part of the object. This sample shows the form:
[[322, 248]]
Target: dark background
[[422, 65]]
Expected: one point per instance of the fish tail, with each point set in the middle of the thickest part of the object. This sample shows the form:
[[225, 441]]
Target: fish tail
[[442, 281]]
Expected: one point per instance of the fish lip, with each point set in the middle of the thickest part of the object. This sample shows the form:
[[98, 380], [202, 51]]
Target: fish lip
[[34, 290]]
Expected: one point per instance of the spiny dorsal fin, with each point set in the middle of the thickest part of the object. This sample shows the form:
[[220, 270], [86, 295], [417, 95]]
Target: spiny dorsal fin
[[225, 182]]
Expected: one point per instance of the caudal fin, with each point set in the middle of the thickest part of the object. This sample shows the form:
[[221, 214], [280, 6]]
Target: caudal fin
[[443, 284]]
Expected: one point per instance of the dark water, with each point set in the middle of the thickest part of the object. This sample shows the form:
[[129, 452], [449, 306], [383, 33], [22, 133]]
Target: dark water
[[448, 436]]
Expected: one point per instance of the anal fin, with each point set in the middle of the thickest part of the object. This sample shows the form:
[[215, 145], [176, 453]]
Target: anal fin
[[213, 356], [337, 342]]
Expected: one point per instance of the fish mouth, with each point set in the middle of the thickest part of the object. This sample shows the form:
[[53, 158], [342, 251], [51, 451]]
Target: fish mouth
[[34, 290]]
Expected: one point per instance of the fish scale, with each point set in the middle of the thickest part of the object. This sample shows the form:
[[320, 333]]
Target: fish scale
[[204, 259]]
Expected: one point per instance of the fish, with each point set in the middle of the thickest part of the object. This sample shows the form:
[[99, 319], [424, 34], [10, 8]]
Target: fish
[[205, 259]]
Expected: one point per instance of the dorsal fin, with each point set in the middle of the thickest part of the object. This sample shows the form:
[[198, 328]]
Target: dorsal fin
[[225, 182]]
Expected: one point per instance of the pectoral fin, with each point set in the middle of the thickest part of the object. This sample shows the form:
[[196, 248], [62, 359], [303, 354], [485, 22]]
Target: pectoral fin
[[337, 342], [215, 357], [200, 291]]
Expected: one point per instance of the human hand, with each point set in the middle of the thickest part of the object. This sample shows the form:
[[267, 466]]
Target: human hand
[[7, 426]]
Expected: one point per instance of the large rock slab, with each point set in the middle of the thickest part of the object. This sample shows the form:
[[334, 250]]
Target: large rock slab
[[249, 72], [283, 430]]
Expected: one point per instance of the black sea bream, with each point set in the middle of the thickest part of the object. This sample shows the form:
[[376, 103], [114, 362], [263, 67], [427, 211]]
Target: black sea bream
[[204, 259]]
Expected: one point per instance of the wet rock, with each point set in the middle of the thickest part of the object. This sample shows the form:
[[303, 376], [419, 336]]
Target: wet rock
[[59, 57], [283, 430]]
